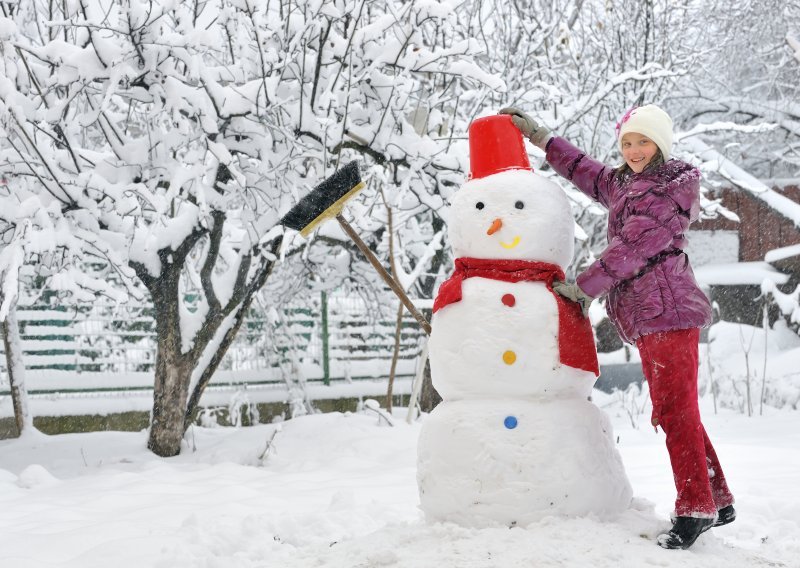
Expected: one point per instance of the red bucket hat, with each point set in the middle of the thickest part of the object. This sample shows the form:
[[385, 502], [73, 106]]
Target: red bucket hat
[[495, 145]]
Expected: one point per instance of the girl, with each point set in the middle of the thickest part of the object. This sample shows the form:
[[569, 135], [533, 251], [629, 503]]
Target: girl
[[653, 298]]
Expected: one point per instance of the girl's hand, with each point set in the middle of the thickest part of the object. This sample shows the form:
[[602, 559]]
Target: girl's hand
[[573, 292], [532, 130]]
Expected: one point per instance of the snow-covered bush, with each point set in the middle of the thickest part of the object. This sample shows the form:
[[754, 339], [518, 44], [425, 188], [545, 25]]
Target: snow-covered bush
[[745, 367], [788, 304]]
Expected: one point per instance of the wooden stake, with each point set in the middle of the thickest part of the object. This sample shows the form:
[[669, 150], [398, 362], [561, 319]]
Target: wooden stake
[[385, 275]]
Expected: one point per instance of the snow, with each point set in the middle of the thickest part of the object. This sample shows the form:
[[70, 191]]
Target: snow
[[339, 490], [731, 274], [782, 253], [11, 259], [789, 304], [738, 357], [712, 247], [109, 402], [794, 44], [407, 280], [8, 29], [740, 178]]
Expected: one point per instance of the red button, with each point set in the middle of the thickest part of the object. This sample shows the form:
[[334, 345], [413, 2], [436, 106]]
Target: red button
[[509, 300]]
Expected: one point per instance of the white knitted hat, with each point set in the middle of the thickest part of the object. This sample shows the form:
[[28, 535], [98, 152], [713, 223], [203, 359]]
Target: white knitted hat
[[650, 121]]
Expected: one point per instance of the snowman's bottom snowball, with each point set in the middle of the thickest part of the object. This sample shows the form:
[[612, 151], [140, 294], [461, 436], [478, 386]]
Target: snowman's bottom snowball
[[558, 458]]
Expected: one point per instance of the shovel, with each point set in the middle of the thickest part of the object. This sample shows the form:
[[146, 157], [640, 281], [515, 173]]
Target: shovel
[[327, 201]]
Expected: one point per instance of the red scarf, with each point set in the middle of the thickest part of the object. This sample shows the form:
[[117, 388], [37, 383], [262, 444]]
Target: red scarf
[[575, 340]]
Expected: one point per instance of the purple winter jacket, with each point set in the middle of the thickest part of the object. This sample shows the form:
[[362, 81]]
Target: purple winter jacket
[[644, 271]]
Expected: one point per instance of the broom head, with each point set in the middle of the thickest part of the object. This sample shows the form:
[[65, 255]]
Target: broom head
[[325, 201]]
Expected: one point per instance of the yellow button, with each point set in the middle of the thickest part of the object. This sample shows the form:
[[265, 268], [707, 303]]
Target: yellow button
[[509, 357]]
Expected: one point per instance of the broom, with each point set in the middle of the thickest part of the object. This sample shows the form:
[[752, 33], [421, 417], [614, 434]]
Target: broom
[[327, 201]]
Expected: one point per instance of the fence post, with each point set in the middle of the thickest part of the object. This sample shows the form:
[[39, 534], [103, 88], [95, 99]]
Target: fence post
[[326, 370]]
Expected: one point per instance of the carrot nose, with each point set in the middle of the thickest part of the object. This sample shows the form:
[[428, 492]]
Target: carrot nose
[[496, 224]]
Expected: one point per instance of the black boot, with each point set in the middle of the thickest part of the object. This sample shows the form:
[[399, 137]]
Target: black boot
[[684, 532], [725, 515]]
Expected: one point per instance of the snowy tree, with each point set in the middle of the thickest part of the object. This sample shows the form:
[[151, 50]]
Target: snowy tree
[[748, 75], [577, 65], [146, 137], [400, 96], [168, 138], [182, 131], [41, 238], [11, 257]]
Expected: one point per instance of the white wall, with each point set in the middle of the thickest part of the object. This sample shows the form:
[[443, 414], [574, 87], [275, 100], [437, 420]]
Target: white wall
[[712, 247]]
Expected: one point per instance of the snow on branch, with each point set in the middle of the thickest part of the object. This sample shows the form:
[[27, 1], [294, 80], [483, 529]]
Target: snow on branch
[[724, 126], [648, 72], [794, 44], [713, 161], [789, 304]]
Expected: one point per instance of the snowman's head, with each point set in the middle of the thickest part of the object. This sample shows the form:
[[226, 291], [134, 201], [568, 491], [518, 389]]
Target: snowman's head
[[515, 214]]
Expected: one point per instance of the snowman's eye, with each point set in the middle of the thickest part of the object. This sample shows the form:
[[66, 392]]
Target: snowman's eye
[[519, 205], [479, 205]]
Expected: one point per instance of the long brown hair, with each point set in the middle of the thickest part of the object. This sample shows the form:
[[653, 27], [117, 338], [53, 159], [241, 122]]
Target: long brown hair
[[625, 170]]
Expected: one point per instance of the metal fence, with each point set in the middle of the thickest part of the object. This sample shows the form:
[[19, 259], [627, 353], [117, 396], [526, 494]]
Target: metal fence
[[104, 346]]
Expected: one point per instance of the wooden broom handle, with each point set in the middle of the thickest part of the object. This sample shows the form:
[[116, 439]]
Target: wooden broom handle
[[385, 275]]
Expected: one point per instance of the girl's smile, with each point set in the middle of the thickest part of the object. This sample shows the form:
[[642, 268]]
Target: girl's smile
[[638, 151]]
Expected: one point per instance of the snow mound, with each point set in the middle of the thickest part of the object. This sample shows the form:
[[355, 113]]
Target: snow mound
[[36, 476]]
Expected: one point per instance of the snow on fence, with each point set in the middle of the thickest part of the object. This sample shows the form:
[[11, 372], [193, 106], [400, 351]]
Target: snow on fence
[[103, 347]]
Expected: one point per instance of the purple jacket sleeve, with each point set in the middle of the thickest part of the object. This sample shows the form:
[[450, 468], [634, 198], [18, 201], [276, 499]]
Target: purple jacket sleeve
[[590, 176], [654, 222]]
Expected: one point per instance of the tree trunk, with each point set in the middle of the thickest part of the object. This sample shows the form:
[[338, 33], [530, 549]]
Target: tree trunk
[[173, 368], [16, 371], [170, 392], [172, 405]]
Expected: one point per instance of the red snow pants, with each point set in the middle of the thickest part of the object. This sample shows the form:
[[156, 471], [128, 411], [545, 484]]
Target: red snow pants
[[669, 363]]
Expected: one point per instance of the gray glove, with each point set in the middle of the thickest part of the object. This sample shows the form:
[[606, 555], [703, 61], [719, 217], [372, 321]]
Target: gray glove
[[532, 130], [573, 292]]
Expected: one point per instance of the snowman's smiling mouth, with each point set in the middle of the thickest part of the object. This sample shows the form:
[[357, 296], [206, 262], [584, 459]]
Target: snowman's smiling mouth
[[512, 244]]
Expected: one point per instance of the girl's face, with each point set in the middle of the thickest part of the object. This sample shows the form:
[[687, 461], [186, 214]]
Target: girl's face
[[638, 151]]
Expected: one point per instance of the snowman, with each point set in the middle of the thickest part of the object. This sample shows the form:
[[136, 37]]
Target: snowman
[[515, 437]]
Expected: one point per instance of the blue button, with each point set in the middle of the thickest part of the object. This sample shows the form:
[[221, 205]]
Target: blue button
[[510, 422]]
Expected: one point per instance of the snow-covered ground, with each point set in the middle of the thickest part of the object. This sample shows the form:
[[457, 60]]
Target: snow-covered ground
[[339, 490]]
